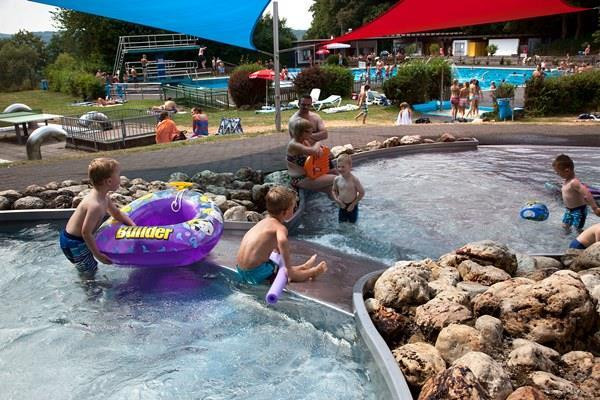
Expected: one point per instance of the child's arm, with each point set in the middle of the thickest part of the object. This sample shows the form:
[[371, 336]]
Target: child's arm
[[314, 150], [92, 216], [587, 195], [335, 192], [118, 214], [283, 245]]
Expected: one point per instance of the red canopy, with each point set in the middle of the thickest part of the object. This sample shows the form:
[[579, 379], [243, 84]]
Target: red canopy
[[409, 16]]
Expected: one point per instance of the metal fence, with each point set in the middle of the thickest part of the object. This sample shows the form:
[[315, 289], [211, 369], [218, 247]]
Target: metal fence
[[92, 130], [193, 96]]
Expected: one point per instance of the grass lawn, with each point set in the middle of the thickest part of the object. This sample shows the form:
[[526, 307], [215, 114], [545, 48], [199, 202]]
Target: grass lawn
[[58, 103]]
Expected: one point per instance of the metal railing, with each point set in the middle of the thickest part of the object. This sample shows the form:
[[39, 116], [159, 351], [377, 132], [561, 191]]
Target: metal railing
[[163, 70], [118, 127], [139, 42], [135, 90], [193, 96]]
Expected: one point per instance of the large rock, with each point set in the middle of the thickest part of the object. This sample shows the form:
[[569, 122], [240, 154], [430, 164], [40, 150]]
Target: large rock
[[490, 331], [253, 216], [488, 372], [547, 262], [433, 316], [218, 190], [411, 139], [591, 385], [485, 275], [5, 204], [62, 201], [591, 280], [248, 174], [278, 178], [48, 195], [391, 142], [244, 185], [236, 214], [174, 177], [554, 386], [419, 362], [138, 181], [403, 284], [29, 203], [454, 295], [11, 195], [488, 252], [541, 274], [33, 190], [53, 185], [374, 145], [456, 340], [206, 178], [258, 194], [156, 186], [73, 190], [69, 182], [447, 137], [578, 365], [345, 149], [472, 288], [528, 356], [454, 383], [240, 195], [557, 311], [527, 393], [119, 199], [388, 322], [589, 258]]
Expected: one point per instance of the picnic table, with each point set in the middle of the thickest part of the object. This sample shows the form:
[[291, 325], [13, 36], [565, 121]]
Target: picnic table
[[22, 118]]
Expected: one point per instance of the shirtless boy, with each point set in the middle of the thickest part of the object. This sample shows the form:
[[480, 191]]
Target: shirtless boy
[[586, 238], [576, 196], [455, 98], [253, 263], [77, 239], [347, 190]]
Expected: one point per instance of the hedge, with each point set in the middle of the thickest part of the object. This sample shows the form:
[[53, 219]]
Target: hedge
[[418, 82], [570, 94], [67, 76], [330, 79], [245, 91]]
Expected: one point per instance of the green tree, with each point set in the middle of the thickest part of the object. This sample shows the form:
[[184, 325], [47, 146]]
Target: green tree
[[263, 34], [18, 65]]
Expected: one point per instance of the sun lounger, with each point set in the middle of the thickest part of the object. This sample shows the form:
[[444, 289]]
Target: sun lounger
[[314, 94], [346, 107], [333, 100]]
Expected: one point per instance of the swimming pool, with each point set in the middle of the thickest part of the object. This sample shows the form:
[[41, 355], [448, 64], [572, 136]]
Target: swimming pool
[[425, 205], [210, 83], [178, 333]]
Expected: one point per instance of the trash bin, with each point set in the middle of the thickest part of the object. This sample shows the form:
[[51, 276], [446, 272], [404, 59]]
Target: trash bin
[[44, 84], [504, 110]]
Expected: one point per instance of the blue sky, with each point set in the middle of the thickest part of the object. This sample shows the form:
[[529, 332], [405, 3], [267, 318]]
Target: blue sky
[[23, 14]]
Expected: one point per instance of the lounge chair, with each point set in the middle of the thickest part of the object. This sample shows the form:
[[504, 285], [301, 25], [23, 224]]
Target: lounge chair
[[333, 100], [314, 94]]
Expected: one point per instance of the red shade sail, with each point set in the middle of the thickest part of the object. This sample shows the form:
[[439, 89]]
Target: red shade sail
[[409, 16]]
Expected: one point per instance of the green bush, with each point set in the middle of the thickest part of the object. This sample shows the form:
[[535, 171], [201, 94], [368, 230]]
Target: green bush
[[504, 91], [434, 49], [68, 76], [418, 82], [245, 91], [333, 59], [17, 67], [571, 94], [330, 79]]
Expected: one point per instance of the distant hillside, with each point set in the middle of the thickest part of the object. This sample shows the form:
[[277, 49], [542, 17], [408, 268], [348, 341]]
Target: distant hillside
[[44, 35], [299, 33]]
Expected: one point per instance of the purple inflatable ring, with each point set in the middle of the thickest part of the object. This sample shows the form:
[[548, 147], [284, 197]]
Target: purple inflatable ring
[[174, 228]]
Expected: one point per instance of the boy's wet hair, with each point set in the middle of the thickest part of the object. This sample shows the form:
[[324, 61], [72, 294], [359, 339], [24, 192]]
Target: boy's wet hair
[[563, 162], [299, 126], [163, 115], [279, 199], [101, 169], [344, 159]]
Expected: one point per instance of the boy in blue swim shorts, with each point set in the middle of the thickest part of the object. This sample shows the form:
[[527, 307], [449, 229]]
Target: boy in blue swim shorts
[[77, 239], [576, 196], [270, 235]]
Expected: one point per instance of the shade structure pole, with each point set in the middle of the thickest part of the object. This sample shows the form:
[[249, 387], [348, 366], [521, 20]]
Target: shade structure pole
[[276, 66]]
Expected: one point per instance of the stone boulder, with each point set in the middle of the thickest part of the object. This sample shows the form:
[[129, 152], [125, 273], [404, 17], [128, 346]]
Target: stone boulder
[[345, 149], [488, 252], [156, 186], [556, 311], [240, 194], [76, 201], [174, 177], [258, 194], [490, 331], [419, 362], [589, 258], [29, 203], [136, 187], [11, 195], [5, 204], [472, 288], [547, 262], [218, 190], [33, 190], [249, 175], [242, 185], [62, 201], [69, 182], [485, 275], [541, 274], [391, 142], [528, 356], [237, 213], [451, 260], [456, 382], [403, 284], [119, 199], [53, 185], [48, 195], [488, 372], [434, 315], [554, 386], [253, 216], [278, 178], [455, 340], [72, 190], [374, 145], [411, 139], [578, 365], [372, 305], [388, 322], [527, 393], [138, 181], [454, 295], [591, 280], [447, 137]]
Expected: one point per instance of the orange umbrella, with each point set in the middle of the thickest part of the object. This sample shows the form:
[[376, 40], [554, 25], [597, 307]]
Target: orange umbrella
[[267, 75]]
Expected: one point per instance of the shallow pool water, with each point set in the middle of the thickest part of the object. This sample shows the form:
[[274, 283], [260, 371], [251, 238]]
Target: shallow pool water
[[178, 333], [425, 205]]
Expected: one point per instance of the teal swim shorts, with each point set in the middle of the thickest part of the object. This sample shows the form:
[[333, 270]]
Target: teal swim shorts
[[258, 275]]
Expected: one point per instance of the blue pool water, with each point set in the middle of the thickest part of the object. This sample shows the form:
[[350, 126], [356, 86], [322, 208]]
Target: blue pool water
[[485, 75], [179, 333], [425, 205]]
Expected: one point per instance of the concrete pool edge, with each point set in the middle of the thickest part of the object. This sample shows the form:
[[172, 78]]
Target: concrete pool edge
[[379, 349]]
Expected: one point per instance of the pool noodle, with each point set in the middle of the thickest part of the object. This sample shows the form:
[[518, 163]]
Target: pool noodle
[[280, 279]]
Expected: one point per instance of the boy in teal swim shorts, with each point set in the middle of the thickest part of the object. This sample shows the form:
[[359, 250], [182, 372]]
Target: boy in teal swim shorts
[[253, 259], [77, 239]]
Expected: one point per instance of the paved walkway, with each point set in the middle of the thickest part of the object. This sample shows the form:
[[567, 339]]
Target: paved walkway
[[266, 152]]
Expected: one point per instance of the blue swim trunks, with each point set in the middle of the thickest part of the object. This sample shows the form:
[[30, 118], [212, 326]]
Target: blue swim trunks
[[576, 244], [575, 216], [348, 216], [255, 276], [78, 253]]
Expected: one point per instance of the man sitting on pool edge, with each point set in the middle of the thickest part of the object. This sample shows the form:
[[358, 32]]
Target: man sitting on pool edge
[[586, 238], [253, 259]]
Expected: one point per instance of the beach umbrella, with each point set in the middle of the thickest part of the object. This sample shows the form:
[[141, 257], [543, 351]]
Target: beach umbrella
[[323, 51], [267, 75], [332, 46]]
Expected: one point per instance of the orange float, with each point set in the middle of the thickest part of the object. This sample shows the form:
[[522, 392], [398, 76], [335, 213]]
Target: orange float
[[317, 166]]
